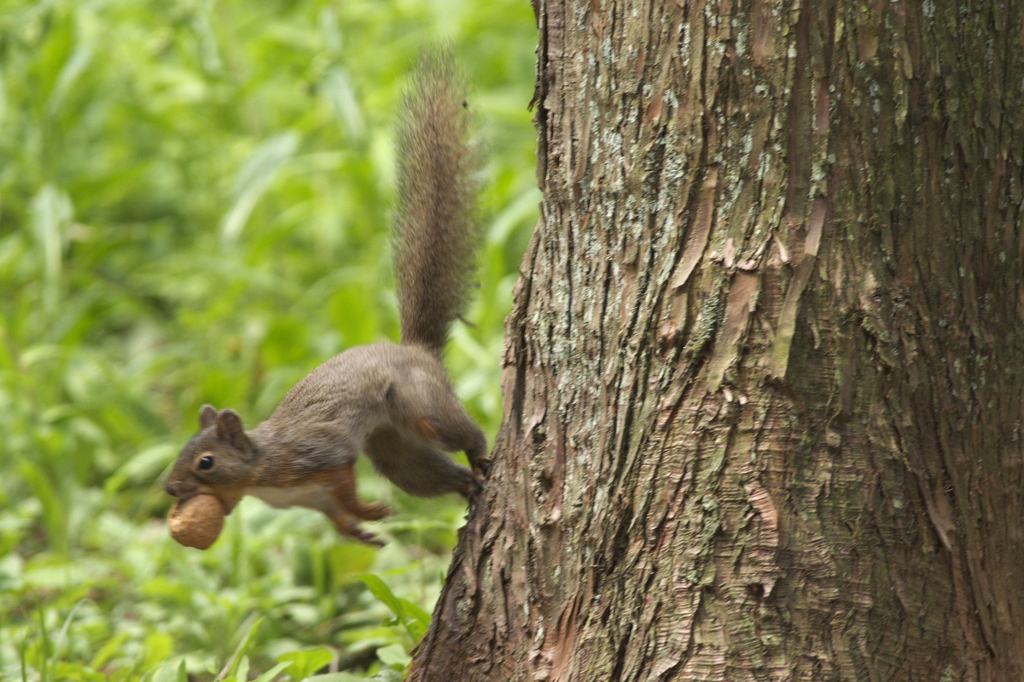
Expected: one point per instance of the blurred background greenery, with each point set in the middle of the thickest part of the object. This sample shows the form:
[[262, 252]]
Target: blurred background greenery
[[193, 208]]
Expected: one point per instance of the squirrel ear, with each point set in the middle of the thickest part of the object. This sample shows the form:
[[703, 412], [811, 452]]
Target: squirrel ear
[[229, 427], [207, 416]]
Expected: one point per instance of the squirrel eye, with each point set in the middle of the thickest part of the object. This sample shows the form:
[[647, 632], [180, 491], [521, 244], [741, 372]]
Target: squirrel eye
[[205, 463]]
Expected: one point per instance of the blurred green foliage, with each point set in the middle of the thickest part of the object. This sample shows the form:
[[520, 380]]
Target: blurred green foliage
[[193, 208]]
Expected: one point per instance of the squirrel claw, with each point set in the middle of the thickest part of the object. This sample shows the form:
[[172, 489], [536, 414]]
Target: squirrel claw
[[374, 511], [479, 478], [366, 538], [351, 529]]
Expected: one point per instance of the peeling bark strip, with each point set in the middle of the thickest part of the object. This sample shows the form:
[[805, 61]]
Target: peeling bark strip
[[765, 367]]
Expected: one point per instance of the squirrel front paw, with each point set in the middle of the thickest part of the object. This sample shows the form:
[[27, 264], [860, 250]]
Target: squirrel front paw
[[351, 529]]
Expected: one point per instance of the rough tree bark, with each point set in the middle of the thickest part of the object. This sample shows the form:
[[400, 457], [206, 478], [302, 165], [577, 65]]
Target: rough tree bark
[[763, 378]]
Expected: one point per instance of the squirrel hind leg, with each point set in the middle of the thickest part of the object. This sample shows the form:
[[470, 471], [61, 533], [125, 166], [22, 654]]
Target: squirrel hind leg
[[416, 468], [459, 432]]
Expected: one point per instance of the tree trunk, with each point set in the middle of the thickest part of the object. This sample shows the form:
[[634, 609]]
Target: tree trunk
[[764, 370]]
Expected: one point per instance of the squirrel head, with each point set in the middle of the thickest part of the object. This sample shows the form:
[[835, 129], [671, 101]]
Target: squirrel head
[[216, 461]]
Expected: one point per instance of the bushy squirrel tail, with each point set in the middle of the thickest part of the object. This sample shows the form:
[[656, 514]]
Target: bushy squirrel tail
[[436, 234]]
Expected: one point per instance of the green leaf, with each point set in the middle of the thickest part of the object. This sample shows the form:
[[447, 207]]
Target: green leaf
[[415, 612], [347, 560], [51, 213], [339, 91], [53, 507], [242, 674], [386, 675], [76, 63], [394, 656], [253, 180], [232, 667], [63, 635], [302, 664], [383, 594], [410, 616], [272, 673]]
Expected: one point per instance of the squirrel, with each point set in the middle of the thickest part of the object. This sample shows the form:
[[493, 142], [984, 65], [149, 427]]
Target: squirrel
[[394, 402]]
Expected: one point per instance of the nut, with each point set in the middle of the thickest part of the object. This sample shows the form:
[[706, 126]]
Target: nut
[[197, 521]]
